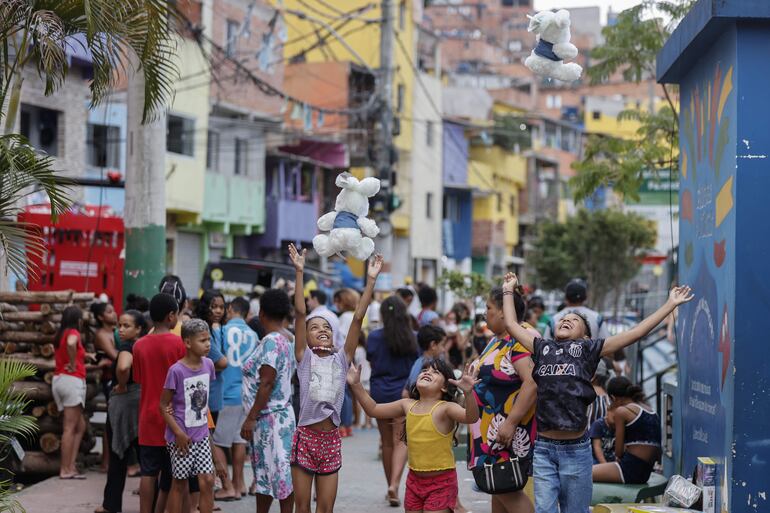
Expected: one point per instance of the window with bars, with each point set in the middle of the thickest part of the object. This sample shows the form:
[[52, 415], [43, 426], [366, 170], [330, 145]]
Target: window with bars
[[103, 146], [212, 150], [180, 135], [241, 156]]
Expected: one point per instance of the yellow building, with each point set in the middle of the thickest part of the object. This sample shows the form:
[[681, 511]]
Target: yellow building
[[361, 33], [601, 115], [187, 125], [355, 37], [499, 176]]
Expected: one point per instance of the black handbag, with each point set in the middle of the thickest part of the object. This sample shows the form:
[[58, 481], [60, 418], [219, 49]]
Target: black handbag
[[502, 477]]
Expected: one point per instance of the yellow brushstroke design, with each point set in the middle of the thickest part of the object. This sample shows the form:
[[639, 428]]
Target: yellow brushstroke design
[[727, 87], [724, 201], [684, 165]]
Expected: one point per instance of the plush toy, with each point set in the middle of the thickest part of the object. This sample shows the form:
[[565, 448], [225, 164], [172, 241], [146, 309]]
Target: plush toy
[[553, 46], [349, 228]]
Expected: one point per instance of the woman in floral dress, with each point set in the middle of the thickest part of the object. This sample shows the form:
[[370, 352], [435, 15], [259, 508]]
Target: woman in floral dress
[[270, 422], [506, 396]]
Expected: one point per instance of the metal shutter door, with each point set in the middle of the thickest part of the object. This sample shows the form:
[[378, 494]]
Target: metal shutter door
[[188, 261]]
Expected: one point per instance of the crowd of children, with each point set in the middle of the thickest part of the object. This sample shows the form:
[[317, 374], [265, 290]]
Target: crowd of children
[[191, 390]]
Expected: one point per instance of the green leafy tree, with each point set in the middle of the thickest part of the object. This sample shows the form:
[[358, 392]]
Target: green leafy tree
[[603, 247], [35, 35], [14, 424], [630, 48], [465, 286]]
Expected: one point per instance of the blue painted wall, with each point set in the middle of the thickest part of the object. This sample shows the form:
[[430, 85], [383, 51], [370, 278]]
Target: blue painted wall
[[457, 232], [455, 157], [708, 143], [724, 378], [751, 409]]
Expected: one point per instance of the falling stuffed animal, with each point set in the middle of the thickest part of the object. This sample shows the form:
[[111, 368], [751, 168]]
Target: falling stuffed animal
[[349, 228], [553, 47]]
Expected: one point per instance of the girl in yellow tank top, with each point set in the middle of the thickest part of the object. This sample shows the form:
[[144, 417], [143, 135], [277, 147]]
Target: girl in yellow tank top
[[431, 418]]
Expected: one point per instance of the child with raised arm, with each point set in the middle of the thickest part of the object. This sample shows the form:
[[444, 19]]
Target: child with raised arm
[[431, 419], [316, 452], [563, 371]]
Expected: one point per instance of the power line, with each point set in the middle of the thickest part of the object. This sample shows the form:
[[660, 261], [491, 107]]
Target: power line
[[265, 86], [418, 78]]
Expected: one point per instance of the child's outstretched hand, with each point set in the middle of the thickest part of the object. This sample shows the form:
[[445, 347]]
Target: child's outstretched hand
[[510, 282], [467, 381], [354, 374], [375, 266], [680, 295], [297, 258]]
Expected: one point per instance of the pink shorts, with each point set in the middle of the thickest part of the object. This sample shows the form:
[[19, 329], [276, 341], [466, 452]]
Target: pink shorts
[[317, 452], [431, 493]]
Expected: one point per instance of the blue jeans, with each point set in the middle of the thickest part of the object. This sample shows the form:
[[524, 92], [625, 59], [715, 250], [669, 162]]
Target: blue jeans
[[562, 474], [346, 415]]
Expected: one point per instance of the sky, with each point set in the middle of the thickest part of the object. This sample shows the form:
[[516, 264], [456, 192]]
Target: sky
[[617, 5]]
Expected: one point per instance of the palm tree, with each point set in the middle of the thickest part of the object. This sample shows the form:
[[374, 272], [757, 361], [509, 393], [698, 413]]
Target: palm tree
[[36, 34], [14, 423]]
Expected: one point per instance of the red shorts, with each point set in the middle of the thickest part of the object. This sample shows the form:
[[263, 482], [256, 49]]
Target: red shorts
[[317, 452], [431, 493]]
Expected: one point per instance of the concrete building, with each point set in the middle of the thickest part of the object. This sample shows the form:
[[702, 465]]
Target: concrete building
[[457, 218], [56, 124], [364, 37], [240, 116], [426, 181]]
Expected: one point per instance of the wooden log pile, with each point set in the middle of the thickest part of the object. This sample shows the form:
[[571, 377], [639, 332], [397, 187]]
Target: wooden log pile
[[29, 336]]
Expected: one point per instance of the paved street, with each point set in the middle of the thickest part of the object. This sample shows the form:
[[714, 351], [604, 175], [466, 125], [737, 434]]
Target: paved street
[[362, 484]]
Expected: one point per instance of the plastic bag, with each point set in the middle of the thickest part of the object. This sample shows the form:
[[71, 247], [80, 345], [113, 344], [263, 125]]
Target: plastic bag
[[681, 493]]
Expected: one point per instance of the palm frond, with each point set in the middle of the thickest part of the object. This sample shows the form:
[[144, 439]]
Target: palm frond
[[13, 422], [22, 172], [113, 32]]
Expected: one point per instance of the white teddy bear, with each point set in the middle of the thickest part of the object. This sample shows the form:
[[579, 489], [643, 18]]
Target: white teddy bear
[[349, 228], [553, 46]]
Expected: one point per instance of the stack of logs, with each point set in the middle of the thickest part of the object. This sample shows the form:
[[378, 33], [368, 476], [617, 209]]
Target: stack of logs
[[29, 336]]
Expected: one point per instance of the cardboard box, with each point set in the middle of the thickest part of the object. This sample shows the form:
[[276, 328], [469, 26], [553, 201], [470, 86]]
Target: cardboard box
[[653, 508], [612, 508], [706, 479]]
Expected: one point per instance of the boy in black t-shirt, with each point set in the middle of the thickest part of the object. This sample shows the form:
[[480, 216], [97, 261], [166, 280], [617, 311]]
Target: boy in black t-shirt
[[563, 371]]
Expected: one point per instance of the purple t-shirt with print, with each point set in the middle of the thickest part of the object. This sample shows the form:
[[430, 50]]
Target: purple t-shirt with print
[[321, 386], [191, 398]]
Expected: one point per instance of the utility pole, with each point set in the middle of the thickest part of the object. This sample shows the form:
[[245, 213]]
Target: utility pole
[[385, 143], [145, 210]]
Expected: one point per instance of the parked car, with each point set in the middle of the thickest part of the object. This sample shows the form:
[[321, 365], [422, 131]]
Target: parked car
[[238, 277]]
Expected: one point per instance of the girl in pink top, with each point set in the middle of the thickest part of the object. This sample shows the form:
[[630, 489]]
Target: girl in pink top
[[321, 370]]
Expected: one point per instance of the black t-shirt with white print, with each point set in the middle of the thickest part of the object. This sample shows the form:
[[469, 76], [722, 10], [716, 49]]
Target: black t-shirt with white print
[[563, 373]]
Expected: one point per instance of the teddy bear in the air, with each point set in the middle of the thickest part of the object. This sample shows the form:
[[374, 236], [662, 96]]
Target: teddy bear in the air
[[349, 228], [553, 47]]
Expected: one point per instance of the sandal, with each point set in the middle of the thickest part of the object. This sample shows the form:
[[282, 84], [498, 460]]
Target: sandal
[[78, 477], [228, 498], [392, 498]]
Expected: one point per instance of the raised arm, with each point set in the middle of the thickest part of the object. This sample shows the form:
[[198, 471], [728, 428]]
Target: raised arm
[[676, 297], [300, 310], [378, 411], [521, 335], [372, 271], [470, 413]]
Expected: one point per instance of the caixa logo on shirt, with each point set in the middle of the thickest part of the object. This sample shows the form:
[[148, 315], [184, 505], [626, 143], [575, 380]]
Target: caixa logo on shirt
[[557, 369], [575, 350]]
